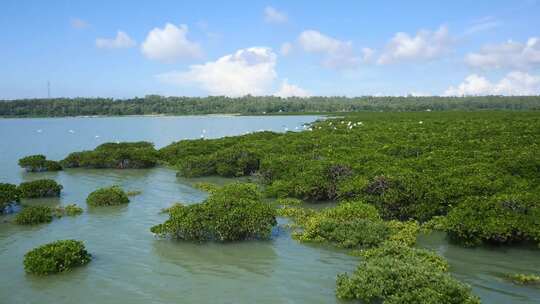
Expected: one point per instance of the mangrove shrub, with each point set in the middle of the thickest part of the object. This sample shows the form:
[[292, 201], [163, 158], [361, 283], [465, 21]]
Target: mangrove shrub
[[56, 257], [233, 212], [40, 188], [33, 215], [110, 196], [396, 273], [39, 163], [126, 155], [9, 194]]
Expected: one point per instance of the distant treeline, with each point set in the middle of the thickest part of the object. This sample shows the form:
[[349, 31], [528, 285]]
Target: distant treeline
[[153, 104]]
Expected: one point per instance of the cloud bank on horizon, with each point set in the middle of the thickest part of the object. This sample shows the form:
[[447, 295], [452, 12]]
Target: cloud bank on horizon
[[289, 50]]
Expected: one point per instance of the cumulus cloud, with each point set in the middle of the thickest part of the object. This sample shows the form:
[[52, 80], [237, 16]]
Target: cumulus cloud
[[507, 55], [122, 40], [286, 48], [338, 54], [247, 71], [514, 83], [272, 15], [77, 23], [170, 44], [425, 45], [290, 90]]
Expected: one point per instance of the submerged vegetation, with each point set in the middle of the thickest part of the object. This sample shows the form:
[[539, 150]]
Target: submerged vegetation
[[524, 279], [132, 155], [154, 104], [40, 188], [39, 163], [234, 212], [56, 257], [110, 196]]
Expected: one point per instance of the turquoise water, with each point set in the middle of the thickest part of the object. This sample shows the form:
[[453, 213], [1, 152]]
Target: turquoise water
[[132, 266]]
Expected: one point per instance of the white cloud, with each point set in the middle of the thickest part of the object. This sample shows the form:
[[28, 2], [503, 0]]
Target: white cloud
[[77, 23], [289, 90], [507, 55], [482, 25], [247, 71], [367, 54], [272, 15], [338, 54], [169, 44], [514, 83], [286, 48], [425, 45], [122, 40]]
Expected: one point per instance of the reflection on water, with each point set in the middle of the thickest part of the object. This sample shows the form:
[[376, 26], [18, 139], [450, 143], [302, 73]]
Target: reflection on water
[[130, 265]]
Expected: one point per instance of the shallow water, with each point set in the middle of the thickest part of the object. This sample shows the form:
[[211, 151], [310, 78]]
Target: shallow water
[[131, 266]]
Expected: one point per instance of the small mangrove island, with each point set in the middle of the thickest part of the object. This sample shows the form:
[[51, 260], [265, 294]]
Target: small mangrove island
[[56, 257]]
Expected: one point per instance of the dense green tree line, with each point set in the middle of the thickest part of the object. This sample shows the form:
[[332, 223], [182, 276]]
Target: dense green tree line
[[154, 104]]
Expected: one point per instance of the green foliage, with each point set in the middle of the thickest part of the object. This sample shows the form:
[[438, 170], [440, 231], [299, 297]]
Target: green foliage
[[127, 155], [288, 201], [497, 219], [110, 196], [523, 279], [9, 194], [407, 169], [395, 273], [40, 188], [207, 187], [234, 212], [352, 225], [33, 215], [56, 257], [154, 104], [68, 210], [39, 163]]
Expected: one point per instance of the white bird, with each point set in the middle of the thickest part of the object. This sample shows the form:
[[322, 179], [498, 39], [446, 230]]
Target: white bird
[[97, 136], [286, 129], [39, 130], [71, 131], [420, 122]]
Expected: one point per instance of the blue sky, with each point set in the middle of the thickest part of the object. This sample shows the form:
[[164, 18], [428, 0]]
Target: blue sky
[[288, 48]]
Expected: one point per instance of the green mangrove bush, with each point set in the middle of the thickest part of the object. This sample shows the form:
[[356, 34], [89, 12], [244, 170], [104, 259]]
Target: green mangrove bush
[[128, 155], [56, 257], [395, 273], [353, 225], [39, 163], [32, 215], [110, 196], [234, 212], [9, 194], [497, 219], [40, 188]]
